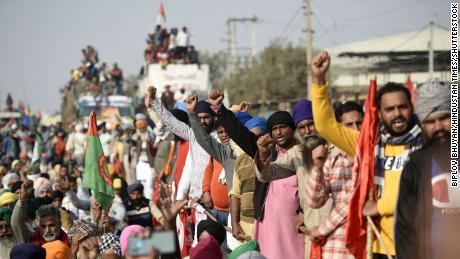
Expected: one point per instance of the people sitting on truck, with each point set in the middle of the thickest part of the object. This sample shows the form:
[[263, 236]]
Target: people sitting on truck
[[117, 77], [163, 57], [192, 56]]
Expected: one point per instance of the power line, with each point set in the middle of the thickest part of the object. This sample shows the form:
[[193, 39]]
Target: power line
[[325, 31], [293, 17]]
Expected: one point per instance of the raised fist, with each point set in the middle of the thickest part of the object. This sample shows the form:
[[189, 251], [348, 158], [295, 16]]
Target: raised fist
[[265, 144], [149, 96], [24, 193], [192, 101], [215, 98], [319, 66], [319, 156]]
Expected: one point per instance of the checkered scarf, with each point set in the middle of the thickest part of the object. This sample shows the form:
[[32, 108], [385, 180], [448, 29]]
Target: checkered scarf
[[110, 241], [80, 230], [413, 140]]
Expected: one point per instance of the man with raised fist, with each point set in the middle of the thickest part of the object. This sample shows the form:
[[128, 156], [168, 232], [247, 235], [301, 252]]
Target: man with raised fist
[[399, 135]]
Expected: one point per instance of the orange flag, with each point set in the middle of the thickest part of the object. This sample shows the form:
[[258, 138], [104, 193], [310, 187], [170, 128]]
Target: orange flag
[[363, 171], [161, 17]]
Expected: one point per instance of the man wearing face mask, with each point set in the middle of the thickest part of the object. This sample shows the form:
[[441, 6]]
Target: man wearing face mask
[[48, 219], [7, 239]]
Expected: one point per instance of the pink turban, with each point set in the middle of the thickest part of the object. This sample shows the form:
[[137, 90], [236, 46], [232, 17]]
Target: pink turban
[[124, 237]]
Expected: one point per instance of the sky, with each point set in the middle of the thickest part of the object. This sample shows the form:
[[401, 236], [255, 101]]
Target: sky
[[41, 41]]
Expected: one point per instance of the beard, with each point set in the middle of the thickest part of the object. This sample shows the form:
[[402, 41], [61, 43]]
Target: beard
[[50, 237], [440, 137], [309, 143], [6, 244], [389, 125]]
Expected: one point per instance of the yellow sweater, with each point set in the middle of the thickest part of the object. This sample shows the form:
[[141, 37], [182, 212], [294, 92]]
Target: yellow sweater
[[346, 139]]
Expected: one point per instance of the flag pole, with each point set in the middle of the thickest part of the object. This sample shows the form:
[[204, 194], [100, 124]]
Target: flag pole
[[370, 223], [369, 232]]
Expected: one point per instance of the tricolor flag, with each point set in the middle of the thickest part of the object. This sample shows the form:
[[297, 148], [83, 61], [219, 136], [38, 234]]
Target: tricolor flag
[[363, 171], [161, 17], [97, 177], [412, 90]]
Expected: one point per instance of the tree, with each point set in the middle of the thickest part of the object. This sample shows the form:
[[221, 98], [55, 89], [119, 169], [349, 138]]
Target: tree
[[217, 65]]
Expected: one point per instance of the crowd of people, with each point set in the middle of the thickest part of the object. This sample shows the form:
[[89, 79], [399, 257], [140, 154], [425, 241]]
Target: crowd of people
[[95, 76], [171, 47], [230, 185]]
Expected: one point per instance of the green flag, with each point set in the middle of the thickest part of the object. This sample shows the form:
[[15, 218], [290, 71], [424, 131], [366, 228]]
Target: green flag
[[37, 148], [97, 177]]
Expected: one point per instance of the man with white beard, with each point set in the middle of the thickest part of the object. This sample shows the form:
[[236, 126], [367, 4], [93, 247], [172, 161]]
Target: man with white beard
[[7, 239], [48, 221]]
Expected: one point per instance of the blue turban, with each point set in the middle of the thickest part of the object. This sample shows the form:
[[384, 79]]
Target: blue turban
[[204, 107], [28, 251], [181, 106], [243, 117], [140, 116], [257, 122], [137, 186], [302, 111]]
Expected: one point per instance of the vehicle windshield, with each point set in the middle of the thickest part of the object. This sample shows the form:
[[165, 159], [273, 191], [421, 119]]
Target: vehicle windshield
[[122, 111]]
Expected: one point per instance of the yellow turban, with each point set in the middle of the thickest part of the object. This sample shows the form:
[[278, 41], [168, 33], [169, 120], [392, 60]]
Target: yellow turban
[[8, 197], [117, 183]]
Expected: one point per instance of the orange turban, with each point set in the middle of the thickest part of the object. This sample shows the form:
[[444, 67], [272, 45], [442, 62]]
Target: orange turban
[[57, 249]]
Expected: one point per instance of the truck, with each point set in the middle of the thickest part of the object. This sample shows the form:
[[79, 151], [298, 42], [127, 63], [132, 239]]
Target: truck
[[190, 77], [107, 108]]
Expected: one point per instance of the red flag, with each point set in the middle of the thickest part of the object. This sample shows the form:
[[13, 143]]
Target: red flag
[[413, 91], [363, 171], [161, 17], [184, 234]]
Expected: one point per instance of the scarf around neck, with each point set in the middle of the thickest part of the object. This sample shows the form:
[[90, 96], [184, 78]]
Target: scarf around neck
[[412, 140]]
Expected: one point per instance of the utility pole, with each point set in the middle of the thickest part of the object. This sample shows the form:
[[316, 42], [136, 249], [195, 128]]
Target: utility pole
[[309, 46], [253, 37], [431, 54], [232, 44]]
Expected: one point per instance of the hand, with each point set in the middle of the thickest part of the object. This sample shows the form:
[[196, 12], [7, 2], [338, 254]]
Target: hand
[[207, 200], [265, 144], [194, 201], [150, 96], [237, 231], [96, 209], [319, 156], [315, 235], [242, 107], [105, 220], [88, 248], [319, 66], [25, 189], [192, 102], [370, 209], [215, 98], [169, 207], [299, 223]]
